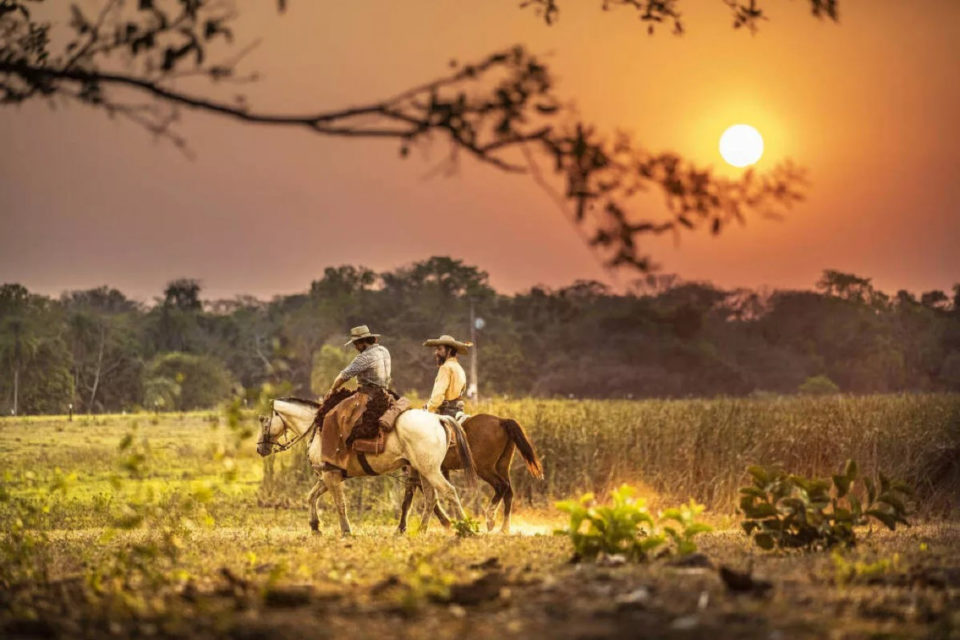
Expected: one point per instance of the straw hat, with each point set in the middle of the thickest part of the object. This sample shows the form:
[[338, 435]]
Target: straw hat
[[359, 333], [449, 341]]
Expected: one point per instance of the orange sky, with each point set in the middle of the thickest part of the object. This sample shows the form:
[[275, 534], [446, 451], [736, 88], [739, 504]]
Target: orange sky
[[870, 106]]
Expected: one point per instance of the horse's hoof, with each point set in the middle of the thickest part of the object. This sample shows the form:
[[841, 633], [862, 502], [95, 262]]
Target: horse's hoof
[[315, 526], [399, 532], [490, 525]]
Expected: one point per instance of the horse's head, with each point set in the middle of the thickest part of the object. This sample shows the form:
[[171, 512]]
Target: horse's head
[[272, 428], [288, 414]]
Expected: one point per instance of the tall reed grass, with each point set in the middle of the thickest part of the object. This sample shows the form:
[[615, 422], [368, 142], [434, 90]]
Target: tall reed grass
[[700, 448]]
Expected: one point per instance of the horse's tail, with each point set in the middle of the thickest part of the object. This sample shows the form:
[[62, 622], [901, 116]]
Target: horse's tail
[[463, 448], [519, 437]]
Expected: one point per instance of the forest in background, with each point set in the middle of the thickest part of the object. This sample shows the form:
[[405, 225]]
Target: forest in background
[[101, 351]]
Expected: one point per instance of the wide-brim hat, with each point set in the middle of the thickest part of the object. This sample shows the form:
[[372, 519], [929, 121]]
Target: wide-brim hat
[[359, 333], [449, 341]]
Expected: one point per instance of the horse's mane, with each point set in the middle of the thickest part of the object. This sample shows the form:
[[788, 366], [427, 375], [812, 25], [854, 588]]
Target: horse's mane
[[296, 400]]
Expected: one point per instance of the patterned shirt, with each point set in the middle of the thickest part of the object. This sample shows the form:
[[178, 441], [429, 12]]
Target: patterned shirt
[[371, 366], [450, 383]]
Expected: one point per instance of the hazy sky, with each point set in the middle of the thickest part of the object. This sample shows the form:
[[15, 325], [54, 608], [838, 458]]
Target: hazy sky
[[870, 106]]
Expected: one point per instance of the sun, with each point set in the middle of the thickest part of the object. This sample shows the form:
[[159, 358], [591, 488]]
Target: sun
[[741, 145]]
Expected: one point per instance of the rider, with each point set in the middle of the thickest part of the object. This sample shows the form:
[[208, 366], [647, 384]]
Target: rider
[[371, 366], [447, 395]]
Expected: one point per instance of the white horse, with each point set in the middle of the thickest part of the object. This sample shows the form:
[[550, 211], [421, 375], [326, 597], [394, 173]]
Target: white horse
[[419, 439]]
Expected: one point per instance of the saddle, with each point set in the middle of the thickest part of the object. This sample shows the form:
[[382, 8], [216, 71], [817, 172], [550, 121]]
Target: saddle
[[358, 423]]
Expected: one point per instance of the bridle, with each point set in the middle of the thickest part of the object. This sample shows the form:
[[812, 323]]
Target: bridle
[[278, 447]]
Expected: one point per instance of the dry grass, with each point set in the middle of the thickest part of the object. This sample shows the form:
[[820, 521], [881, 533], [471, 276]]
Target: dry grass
[[700, 448], [247, 566]]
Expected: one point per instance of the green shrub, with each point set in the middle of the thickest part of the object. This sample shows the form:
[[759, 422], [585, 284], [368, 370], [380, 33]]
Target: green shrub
[[184, 381], [626, 527], [785, 510], [687, 527], [466, 528], [818, 386]]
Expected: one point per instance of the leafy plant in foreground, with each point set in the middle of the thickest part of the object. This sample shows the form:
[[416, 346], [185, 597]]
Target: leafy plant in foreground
[[24, 544], [627, 527], [785, 510], [686, 528], [466, 528], [148, 537]]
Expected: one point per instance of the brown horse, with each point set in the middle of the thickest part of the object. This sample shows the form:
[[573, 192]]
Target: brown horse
[[492, 443]]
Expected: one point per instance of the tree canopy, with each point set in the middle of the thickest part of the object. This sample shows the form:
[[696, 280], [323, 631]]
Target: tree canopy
[[665, 338]]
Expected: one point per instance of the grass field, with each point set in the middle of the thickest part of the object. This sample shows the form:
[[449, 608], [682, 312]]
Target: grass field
[[184, 531]]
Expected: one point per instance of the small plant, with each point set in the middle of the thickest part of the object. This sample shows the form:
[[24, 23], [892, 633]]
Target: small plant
[[846, 572], [626, 527], [466, 528], [423, 582], [785, 510], [687, 527], [134, 454]]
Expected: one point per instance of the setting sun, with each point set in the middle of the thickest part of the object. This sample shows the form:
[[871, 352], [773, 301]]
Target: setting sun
[[741, 145]]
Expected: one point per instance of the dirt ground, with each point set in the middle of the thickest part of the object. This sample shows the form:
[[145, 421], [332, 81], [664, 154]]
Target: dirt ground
[[282, 582], [242, 566]]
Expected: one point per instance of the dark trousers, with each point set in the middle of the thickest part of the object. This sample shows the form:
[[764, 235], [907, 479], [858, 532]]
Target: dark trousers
[[450, 408]]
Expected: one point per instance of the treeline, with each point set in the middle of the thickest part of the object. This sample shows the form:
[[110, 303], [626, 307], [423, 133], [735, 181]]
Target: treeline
[[100, 351]]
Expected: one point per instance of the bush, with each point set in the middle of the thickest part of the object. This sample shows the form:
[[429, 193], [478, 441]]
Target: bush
[[628, 528], [819, 386], [789, 511], [184, 381]]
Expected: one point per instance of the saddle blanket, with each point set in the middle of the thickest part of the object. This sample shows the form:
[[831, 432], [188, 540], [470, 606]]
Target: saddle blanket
[[358, 423]]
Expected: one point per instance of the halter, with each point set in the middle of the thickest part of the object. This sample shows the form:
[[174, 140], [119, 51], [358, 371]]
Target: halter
[[279, 447]]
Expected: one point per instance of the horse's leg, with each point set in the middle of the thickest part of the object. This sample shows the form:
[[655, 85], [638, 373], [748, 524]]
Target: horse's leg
[[334, 482], [412, 482], [507, 506], [444, 489], [496, 482], [503, 470], [313, 498], [438, 509], [429, 502]]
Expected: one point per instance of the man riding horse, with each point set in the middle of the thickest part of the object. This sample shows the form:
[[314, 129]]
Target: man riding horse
[[371, 367], [448, 389], [418, 439], [355, 416], [344, 446]]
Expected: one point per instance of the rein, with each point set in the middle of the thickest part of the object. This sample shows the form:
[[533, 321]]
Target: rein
[[280, 447]]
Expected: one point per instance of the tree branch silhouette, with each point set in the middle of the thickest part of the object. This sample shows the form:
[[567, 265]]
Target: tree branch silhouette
[[501, 110], [654, 13]]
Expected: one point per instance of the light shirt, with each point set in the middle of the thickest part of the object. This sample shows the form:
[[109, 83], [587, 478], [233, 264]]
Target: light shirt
[[450, 383], [371, 366]]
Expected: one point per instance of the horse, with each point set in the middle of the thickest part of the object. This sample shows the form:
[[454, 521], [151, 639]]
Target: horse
[[418, 439], [492, 442]]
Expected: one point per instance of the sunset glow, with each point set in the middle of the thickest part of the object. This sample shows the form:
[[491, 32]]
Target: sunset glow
[[868, 105]]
